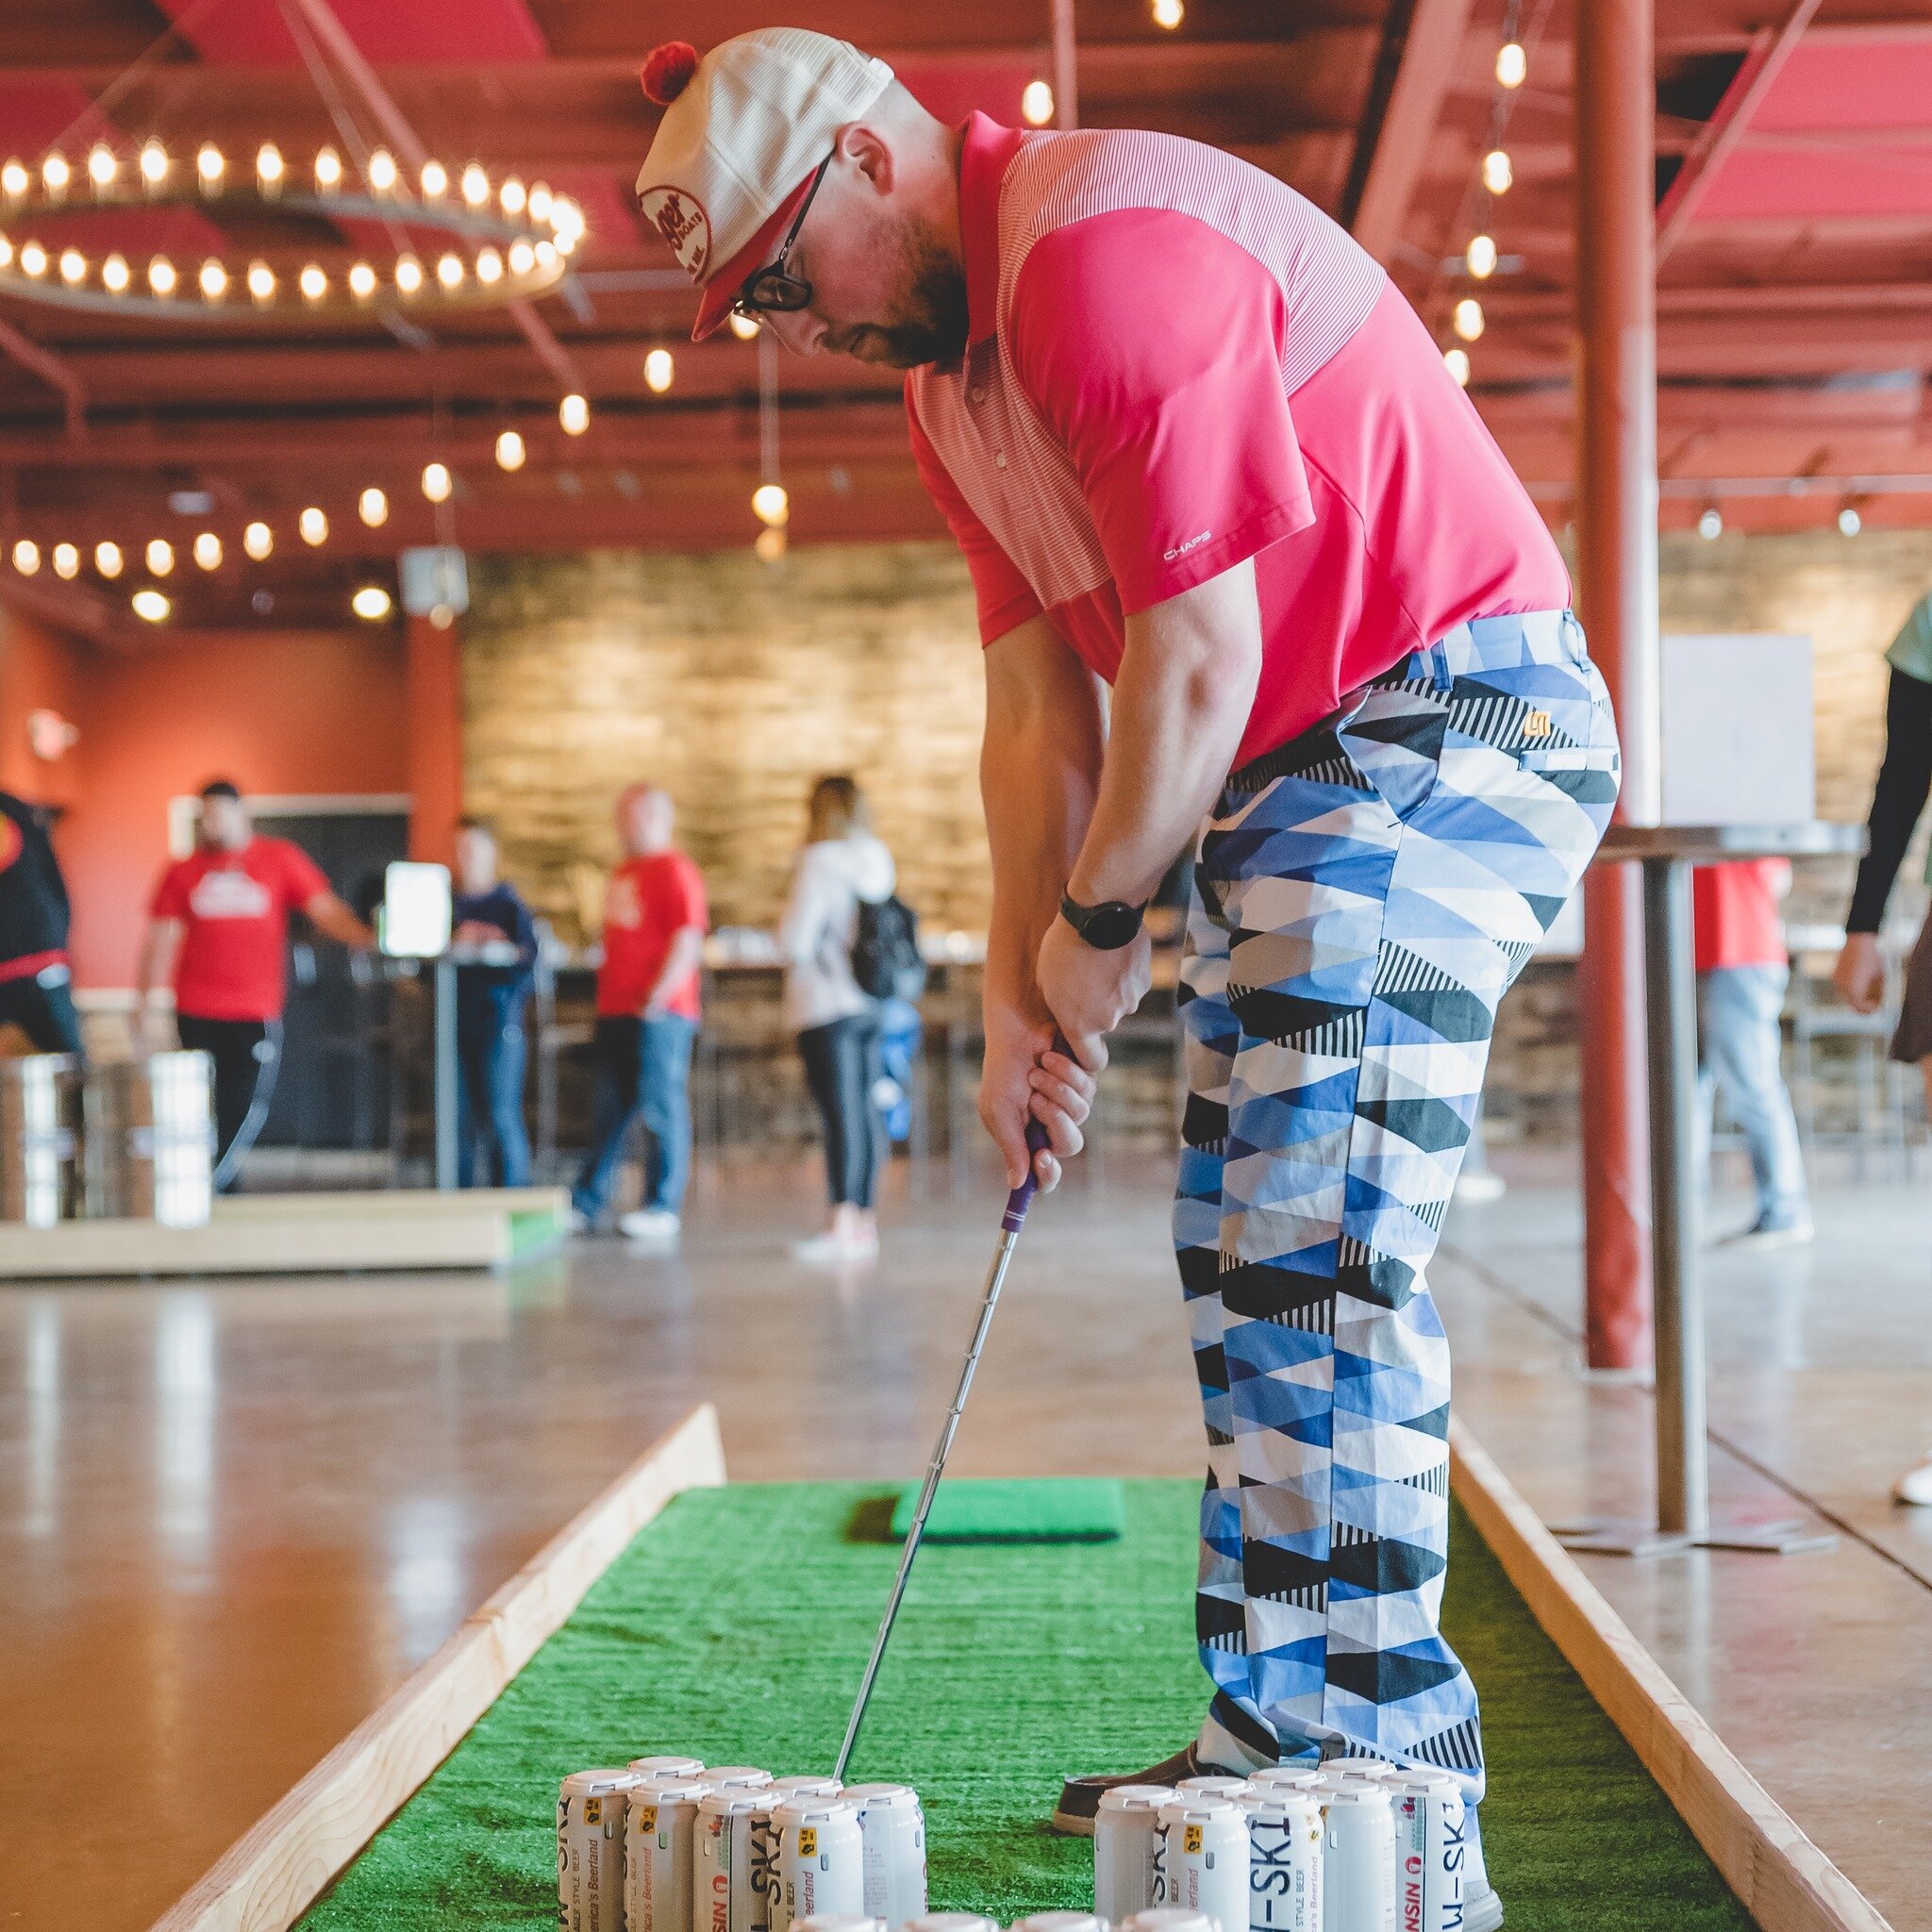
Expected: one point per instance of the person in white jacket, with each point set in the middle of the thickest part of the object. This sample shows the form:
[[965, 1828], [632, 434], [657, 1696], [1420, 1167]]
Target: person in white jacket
[[838, 1024]]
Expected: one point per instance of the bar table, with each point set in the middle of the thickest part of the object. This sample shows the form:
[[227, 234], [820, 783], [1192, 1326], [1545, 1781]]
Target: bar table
[[1667, 855]]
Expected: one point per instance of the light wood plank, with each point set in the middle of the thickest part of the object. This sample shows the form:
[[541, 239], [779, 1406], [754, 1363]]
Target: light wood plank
[[271, 1875], [1784, 1880]]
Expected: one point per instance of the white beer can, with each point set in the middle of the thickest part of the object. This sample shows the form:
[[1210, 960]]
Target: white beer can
[[1369, 1770], [1126, 1849], [893, 1827], [820, 1864], [1218, 1784], [738, 1777], [764, 1840], [1168, 1919], [724, 1897], [1430, 1852], [1284, 1859], [590, 1851], [655, 1769], [660, 1853], [1358, 1857], [1287, 1777], [1204, 1858]]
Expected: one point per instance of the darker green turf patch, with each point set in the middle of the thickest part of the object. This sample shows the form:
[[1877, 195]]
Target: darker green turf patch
[[736, 1626]]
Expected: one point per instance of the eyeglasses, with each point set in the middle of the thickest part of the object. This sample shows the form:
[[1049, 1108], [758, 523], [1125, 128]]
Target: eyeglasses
[[773, 289]]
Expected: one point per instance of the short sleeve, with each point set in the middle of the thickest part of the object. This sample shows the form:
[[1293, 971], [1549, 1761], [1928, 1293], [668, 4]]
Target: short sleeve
[[1004, 596], [302, 879], [1151, 344], [691, 908], [1911, 650], [170, 900]]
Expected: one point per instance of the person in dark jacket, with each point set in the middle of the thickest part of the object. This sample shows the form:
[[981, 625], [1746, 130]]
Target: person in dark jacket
[[491, 999], [36, 983]]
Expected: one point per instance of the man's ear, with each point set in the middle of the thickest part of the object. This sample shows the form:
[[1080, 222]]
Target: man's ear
[[865, 148]]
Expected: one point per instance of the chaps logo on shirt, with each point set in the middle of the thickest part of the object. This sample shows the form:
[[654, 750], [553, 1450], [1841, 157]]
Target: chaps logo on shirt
[[229, 895], [1182, 549], [680, 218]]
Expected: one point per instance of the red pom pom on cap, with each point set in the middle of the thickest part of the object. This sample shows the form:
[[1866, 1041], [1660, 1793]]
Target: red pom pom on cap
[[668, 71]]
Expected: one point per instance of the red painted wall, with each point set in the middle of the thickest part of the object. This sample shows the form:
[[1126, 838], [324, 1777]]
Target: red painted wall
[[39, 670]]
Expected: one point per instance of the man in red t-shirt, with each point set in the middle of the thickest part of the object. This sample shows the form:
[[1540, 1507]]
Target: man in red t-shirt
[[1742, 970], [647, 1016], [218, 928]]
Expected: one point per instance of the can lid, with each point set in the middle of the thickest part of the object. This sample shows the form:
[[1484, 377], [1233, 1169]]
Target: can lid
[[1135, 1797], [1220, 1782], [806, 1807], [1295, 1778], [951, 1922], [1362, 1767], [671, 1791], [1060, 1922], [732, 1801], [1352, 1792], [594, 1784], [891, 1797], [1199, 1804], [830, 1787], [838, 1921], [1280, 1803], [747, 1775], [1427, 1780], [1167, 1919], [677, 1767]]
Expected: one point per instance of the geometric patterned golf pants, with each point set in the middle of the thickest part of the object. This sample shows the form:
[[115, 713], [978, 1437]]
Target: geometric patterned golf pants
[[1363, 897]]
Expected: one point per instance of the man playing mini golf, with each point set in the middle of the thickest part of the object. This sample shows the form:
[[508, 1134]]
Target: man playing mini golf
[[1197, 449]]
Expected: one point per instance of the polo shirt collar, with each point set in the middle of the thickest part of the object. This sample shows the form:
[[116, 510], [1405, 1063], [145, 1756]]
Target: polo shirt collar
[[985, 150]]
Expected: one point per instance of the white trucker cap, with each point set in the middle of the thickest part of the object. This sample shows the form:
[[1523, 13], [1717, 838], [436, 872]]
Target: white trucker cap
[[744, 128]]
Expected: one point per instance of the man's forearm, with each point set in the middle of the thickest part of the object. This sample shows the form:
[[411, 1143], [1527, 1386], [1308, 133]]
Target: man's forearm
[[683, 958]]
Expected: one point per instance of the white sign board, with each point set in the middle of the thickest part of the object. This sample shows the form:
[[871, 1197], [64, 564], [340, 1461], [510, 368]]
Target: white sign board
[[1738, 730], [415, 911]]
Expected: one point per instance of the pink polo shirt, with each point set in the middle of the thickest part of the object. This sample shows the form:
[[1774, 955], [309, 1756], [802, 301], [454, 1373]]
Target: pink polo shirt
[[1177, 363]]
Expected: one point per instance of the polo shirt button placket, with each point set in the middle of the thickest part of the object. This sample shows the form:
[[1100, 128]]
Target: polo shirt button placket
[[999, 456]]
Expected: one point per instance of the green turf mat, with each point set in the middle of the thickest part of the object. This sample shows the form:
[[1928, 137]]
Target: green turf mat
[[736, 1626], [1040, 1510]]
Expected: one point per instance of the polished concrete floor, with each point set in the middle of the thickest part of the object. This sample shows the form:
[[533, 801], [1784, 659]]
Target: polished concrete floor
[[236, 1516]]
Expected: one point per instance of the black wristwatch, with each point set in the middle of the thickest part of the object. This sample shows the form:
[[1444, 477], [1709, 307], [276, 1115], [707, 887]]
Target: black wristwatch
[[1105, 927]]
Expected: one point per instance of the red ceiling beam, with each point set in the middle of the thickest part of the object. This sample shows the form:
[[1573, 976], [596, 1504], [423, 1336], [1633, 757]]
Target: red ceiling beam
[[51, 370]]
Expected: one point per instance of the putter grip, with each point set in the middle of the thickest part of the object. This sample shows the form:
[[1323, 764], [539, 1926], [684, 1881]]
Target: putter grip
[[1022, 1198]]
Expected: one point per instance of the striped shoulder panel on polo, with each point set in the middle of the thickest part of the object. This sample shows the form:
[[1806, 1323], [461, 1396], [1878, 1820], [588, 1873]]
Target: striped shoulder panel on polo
[[1329, 281]]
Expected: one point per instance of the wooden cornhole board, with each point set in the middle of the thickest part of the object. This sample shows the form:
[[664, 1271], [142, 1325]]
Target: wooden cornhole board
[[395, 1228]]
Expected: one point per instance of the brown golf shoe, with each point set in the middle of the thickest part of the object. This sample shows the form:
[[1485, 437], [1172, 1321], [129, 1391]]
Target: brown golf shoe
[[1080, 1796]]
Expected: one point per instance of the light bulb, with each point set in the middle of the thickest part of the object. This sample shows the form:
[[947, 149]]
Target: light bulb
[[566, 217], [1467, 319], [328, 169], [150, 605], [539, 204], [101, 165], [6, 252], [313, 527], [160, 557], [1497, 172], [313, 283], [1710, 525], [208, 164], [161, 276], [522, 257], [261, 281], [207, 551], [372, 603], [66, 560], [659, 371], [259, 540], [114, 275], [55, 174], [567, 239], [382, 171], [73, 267], [1036, 103], [373, 507], [107, 560], [509, 451], [574, 412], [449, 272], [512, 196], [268, 165], [545, 253], [1849, 522], [361, 281], [1512, 64], [769, 544], [475, 186], [1479, 257], [435, 179], [488, 267], [770, 504], [408, 275], [743, 326], [27, 556], [153, 163], [1168, 14], [33, 259], [214, 280], [436, 482], [14, 180], [1457, 362]]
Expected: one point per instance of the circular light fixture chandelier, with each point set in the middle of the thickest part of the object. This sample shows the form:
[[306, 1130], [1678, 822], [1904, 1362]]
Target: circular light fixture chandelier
[[458, 237]]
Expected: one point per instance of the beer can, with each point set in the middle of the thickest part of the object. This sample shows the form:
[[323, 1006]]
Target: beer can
[[734, 1778], [1126, 1849], [650, 1770], [1205, 1858], [820, 1864], [893, 1828], [1358, 1857], [590, 1851], [1168, 1919], [764, 1839], [1284, 1859], [724, 1897], [1373, 1770], [1060, 1922], [1287, 1777], [660, 1853], [1430, 1852], [1217, 1784]]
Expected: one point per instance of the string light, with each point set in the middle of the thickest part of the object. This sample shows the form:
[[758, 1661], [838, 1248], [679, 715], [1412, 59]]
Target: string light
[[313, 283], [160, 276], [214, 280], [1849, 522], [1036, 103], [373, 507], [73, 267], [769, 545], [14, 180], [261, 281], [1498, 176], [488, 267], [1479, 257], [770, 505], [153, 163], [66, 560], [33, 259], [382, 171], [659, 371], [522, 257], [743, 326], [27, 556], [55, 174], [268, 166], [207, 550], [512, 196], [509, 451], [1457, 362], [1710, 525], [475, 186], [540, 203], [114, 275], [313, 527], [1467, 319], [372, 603], [160, 557], [449, 272], [328, 169], [208, 166], [107, 560], [408, 275], [101, 165], [574, 412], [435, 179], [1168, 14], [259, 540], [361, 281], [150, 605], [437, 482], [1512, 64], [6, 252]]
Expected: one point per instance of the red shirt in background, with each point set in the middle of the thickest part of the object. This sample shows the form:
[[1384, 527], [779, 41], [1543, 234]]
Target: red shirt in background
[[1736, 913], [649, 901], [235, 907]]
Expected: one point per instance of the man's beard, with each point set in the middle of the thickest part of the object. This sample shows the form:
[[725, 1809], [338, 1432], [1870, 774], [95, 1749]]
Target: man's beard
[[930, 321]]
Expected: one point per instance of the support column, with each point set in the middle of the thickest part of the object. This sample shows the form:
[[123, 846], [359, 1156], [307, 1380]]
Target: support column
[[1616, 550], [436, 739]]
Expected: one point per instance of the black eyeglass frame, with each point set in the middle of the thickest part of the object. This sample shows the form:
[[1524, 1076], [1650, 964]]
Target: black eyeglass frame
[[771, 290]]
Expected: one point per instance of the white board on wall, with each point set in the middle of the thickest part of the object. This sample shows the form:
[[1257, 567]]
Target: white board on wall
[[1738, 730]]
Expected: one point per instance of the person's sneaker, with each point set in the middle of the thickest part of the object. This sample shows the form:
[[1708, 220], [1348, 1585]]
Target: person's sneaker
[[832, 1250], [1915, 1485], [1762, 1236], [581, 1222], [1080, 1796], [649, 1224]]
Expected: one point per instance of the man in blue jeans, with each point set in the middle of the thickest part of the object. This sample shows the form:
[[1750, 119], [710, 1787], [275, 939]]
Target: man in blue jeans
[[491, 999], [647, 1016]]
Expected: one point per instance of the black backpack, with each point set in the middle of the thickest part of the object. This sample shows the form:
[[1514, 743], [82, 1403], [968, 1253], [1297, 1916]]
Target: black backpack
[[885, 950]]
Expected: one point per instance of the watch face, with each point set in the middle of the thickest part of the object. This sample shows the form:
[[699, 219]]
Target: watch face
[[1111, 925]]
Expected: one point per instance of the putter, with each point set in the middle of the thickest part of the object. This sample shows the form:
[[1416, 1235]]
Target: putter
[[1011, 1222]]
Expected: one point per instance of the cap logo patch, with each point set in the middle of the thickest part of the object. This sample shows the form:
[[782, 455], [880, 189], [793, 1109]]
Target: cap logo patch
[[680, 218]]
